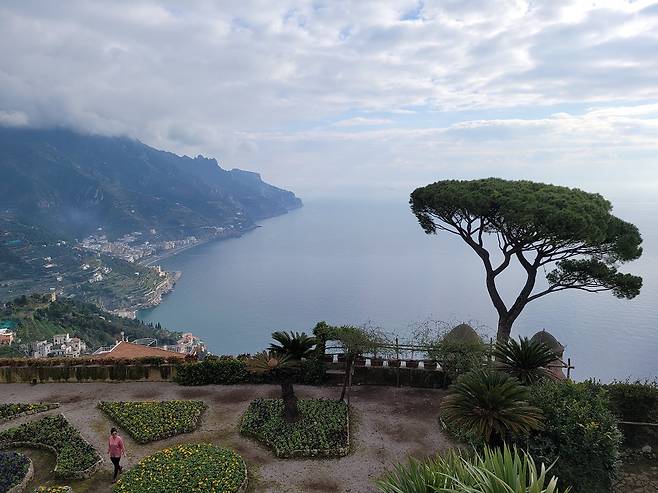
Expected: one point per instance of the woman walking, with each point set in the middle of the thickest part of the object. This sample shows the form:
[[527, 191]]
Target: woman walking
[[116, 450]]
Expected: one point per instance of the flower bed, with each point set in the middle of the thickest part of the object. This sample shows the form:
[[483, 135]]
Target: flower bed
[[13, 469], [151, 420], [323, 430], [53, 489], [75, 457], [196, 468], [16, 410]]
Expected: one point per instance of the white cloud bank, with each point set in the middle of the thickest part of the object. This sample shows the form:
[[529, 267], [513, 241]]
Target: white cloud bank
[[375, 95]]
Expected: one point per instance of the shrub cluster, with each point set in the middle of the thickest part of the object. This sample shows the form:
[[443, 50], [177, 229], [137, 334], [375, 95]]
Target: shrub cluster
[[198, 468], [11, 410], [636, 402], [494, 470], [13, 468], [74, 455], [227, 370], [149, 421], [322, 431], [580, 430]]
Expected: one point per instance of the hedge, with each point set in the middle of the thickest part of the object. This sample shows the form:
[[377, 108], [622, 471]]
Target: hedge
[[580, 432], [228, 370]]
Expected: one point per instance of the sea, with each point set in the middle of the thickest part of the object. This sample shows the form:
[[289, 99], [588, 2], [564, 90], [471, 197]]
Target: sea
[[369, 262]]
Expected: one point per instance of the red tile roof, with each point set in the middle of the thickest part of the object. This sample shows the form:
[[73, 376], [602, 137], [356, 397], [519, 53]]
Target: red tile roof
[[129, 350]]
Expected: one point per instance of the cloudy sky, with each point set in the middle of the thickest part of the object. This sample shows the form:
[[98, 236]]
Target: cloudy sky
[[338, 98]]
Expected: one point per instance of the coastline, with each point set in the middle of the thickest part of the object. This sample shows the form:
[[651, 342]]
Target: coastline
[[158, 294]]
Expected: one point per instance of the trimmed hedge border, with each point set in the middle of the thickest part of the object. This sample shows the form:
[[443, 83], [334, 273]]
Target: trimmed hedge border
[[20, 487], [50, 407], [84, 474], [117, 418]]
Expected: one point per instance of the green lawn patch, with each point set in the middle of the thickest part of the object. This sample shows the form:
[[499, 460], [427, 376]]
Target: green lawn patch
[[323, 430], [14, 410], [196, 468], [148, 421], [75, 457]]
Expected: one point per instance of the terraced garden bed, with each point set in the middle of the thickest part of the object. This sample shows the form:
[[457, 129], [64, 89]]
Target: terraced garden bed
[[75, 457], [16, 410], [323, 430], [147, 421], [196, 468]]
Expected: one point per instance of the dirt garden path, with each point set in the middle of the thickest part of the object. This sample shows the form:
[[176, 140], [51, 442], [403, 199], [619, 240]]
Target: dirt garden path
[[388, 425]]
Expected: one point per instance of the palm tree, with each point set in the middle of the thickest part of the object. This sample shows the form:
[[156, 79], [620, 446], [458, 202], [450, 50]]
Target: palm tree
[[282, 368], [526, 360], [492, 405], [293, 344]]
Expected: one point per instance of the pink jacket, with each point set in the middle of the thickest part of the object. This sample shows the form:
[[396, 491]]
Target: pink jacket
[[115, 447]]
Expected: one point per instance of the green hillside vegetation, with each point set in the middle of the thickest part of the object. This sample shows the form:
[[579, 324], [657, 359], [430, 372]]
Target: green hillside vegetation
[[38, 319]]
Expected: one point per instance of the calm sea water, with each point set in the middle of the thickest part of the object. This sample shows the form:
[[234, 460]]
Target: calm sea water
[[354, 262]]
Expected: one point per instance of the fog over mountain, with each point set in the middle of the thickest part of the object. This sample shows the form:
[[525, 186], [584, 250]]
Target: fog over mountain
[[369, 97]]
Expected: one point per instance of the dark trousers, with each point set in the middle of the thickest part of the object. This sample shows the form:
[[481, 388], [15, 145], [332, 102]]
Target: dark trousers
[[117, 467]]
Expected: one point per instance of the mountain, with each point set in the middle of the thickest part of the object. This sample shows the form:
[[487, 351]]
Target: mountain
[[73, 184], [83, 215]]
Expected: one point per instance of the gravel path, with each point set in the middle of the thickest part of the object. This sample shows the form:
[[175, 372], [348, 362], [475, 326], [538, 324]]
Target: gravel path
[[388, 424]]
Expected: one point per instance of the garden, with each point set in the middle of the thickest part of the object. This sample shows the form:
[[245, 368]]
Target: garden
[[74, 456], [195, 468], [14, 410], [151, 420], [321, 431]]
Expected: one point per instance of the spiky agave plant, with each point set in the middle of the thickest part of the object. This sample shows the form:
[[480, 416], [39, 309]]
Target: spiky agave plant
[[282, 368], [296, 345], [491, 405], [500, 470], [526, 360]]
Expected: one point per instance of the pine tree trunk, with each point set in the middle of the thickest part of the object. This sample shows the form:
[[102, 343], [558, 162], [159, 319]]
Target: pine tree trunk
[[504, 328]]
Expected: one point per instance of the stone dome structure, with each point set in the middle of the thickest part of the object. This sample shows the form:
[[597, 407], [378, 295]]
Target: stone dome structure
[[550, 340], [463, 333]]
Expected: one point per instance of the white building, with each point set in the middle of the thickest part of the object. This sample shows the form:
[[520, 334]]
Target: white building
[[41, 349], [59, 339]]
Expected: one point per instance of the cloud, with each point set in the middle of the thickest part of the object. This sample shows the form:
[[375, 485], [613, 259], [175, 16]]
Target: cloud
[[425, 88], [360, 121]]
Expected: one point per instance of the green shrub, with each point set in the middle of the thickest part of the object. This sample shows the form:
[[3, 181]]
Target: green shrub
[[74, 455], [500, 470], [222, 370], [195, 468], [491, 405], [149, 421], [580, 430], [321, 431], [227, 370], [312, 372], [634, 401]]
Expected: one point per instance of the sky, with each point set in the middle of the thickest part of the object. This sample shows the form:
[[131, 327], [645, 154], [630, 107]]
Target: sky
[[337, 98]]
